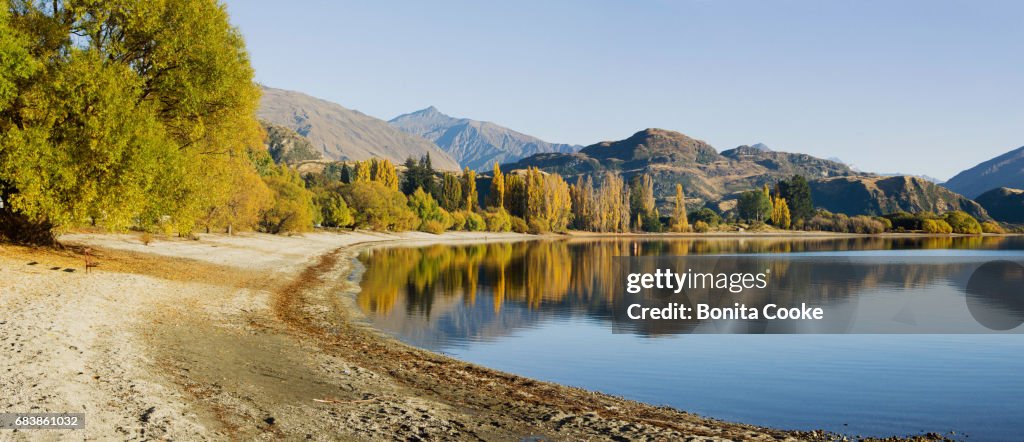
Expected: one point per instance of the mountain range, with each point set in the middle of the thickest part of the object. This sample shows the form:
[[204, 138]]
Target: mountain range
[[474, 144], [671, 157], [1006, 170], [343, 134], [302, 128], [715, 179]]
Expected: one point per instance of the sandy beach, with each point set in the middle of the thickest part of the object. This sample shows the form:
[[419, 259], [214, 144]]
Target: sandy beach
[[257, 336]]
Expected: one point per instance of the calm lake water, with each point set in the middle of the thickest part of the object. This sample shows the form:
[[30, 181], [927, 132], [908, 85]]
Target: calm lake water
[[554, 310]]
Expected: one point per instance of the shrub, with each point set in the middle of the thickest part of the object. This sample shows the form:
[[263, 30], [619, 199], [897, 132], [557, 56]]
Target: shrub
[[537, 226], [707, 215], [961, 222], [458, 220], [819, 222], [885, 222], [935, 226], [652, 223], [334, 212], [427, 209], [841, 223], [992, 227], [475, 222], [380, 207], [498, 220], [293, 209], [519, 225], [866, 225], [903, 221], [432, 226], [701, 227]]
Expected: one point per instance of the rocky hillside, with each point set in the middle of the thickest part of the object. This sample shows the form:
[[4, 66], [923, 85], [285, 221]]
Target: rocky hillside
[[474, 144], [878, 195], [671, 157], [1004, 204], [287, 146], [345, 134], [1006, 170]]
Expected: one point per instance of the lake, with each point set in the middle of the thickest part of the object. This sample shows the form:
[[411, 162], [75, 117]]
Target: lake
[[913, 343]]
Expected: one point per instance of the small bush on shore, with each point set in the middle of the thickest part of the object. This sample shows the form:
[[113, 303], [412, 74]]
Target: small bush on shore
[[701, 227], [379, 207], [519, 225], [458, 220], [886, 224], [707, 215], [936, 226], [537, 226], [432, 226], [865, 225], [498, 221], [475, 222], [961, 222], [992, 227]]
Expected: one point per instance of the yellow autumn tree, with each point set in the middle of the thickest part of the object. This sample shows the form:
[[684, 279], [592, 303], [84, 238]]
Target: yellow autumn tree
[[497, 193], [780, 213], [469, 192], [679, 221]]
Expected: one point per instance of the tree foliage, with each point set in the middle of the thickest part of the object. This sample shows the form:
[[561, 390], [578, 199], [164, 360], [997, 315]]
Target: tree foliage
[[707, 216], [293, 207], [780, 216], [469, 193], [754, 205], [450, 196], [122, 112], [548, 202], [641, 199], [515, 195], [379, 207], [936, 226], [797, 193], [334, 211], [419, 175], [680, 223], [584, 204], [428, 211], [496, 196], [962, 222]]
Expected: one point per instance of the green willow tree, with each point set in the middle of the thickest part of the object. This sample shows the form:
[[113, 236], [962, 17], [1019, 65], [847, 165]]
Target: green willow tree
[[121, 113]]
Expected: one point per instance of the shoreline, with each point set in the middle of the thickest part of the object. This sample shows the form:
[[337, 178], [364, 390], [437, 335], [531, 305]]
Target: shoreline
[[258, 337]]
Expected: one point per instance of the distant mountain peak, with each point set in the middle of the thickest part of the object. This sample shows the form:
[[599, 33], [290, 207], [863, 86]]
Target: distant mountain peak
[[761, 146], [657, 132], [340, 133], [429, 110], [1006, 170], [475, 144]]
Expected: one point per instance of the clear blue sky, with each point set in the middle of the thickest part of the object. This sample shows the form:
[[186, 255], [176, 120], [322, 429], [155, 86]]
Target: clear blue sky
[[925, 87]]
